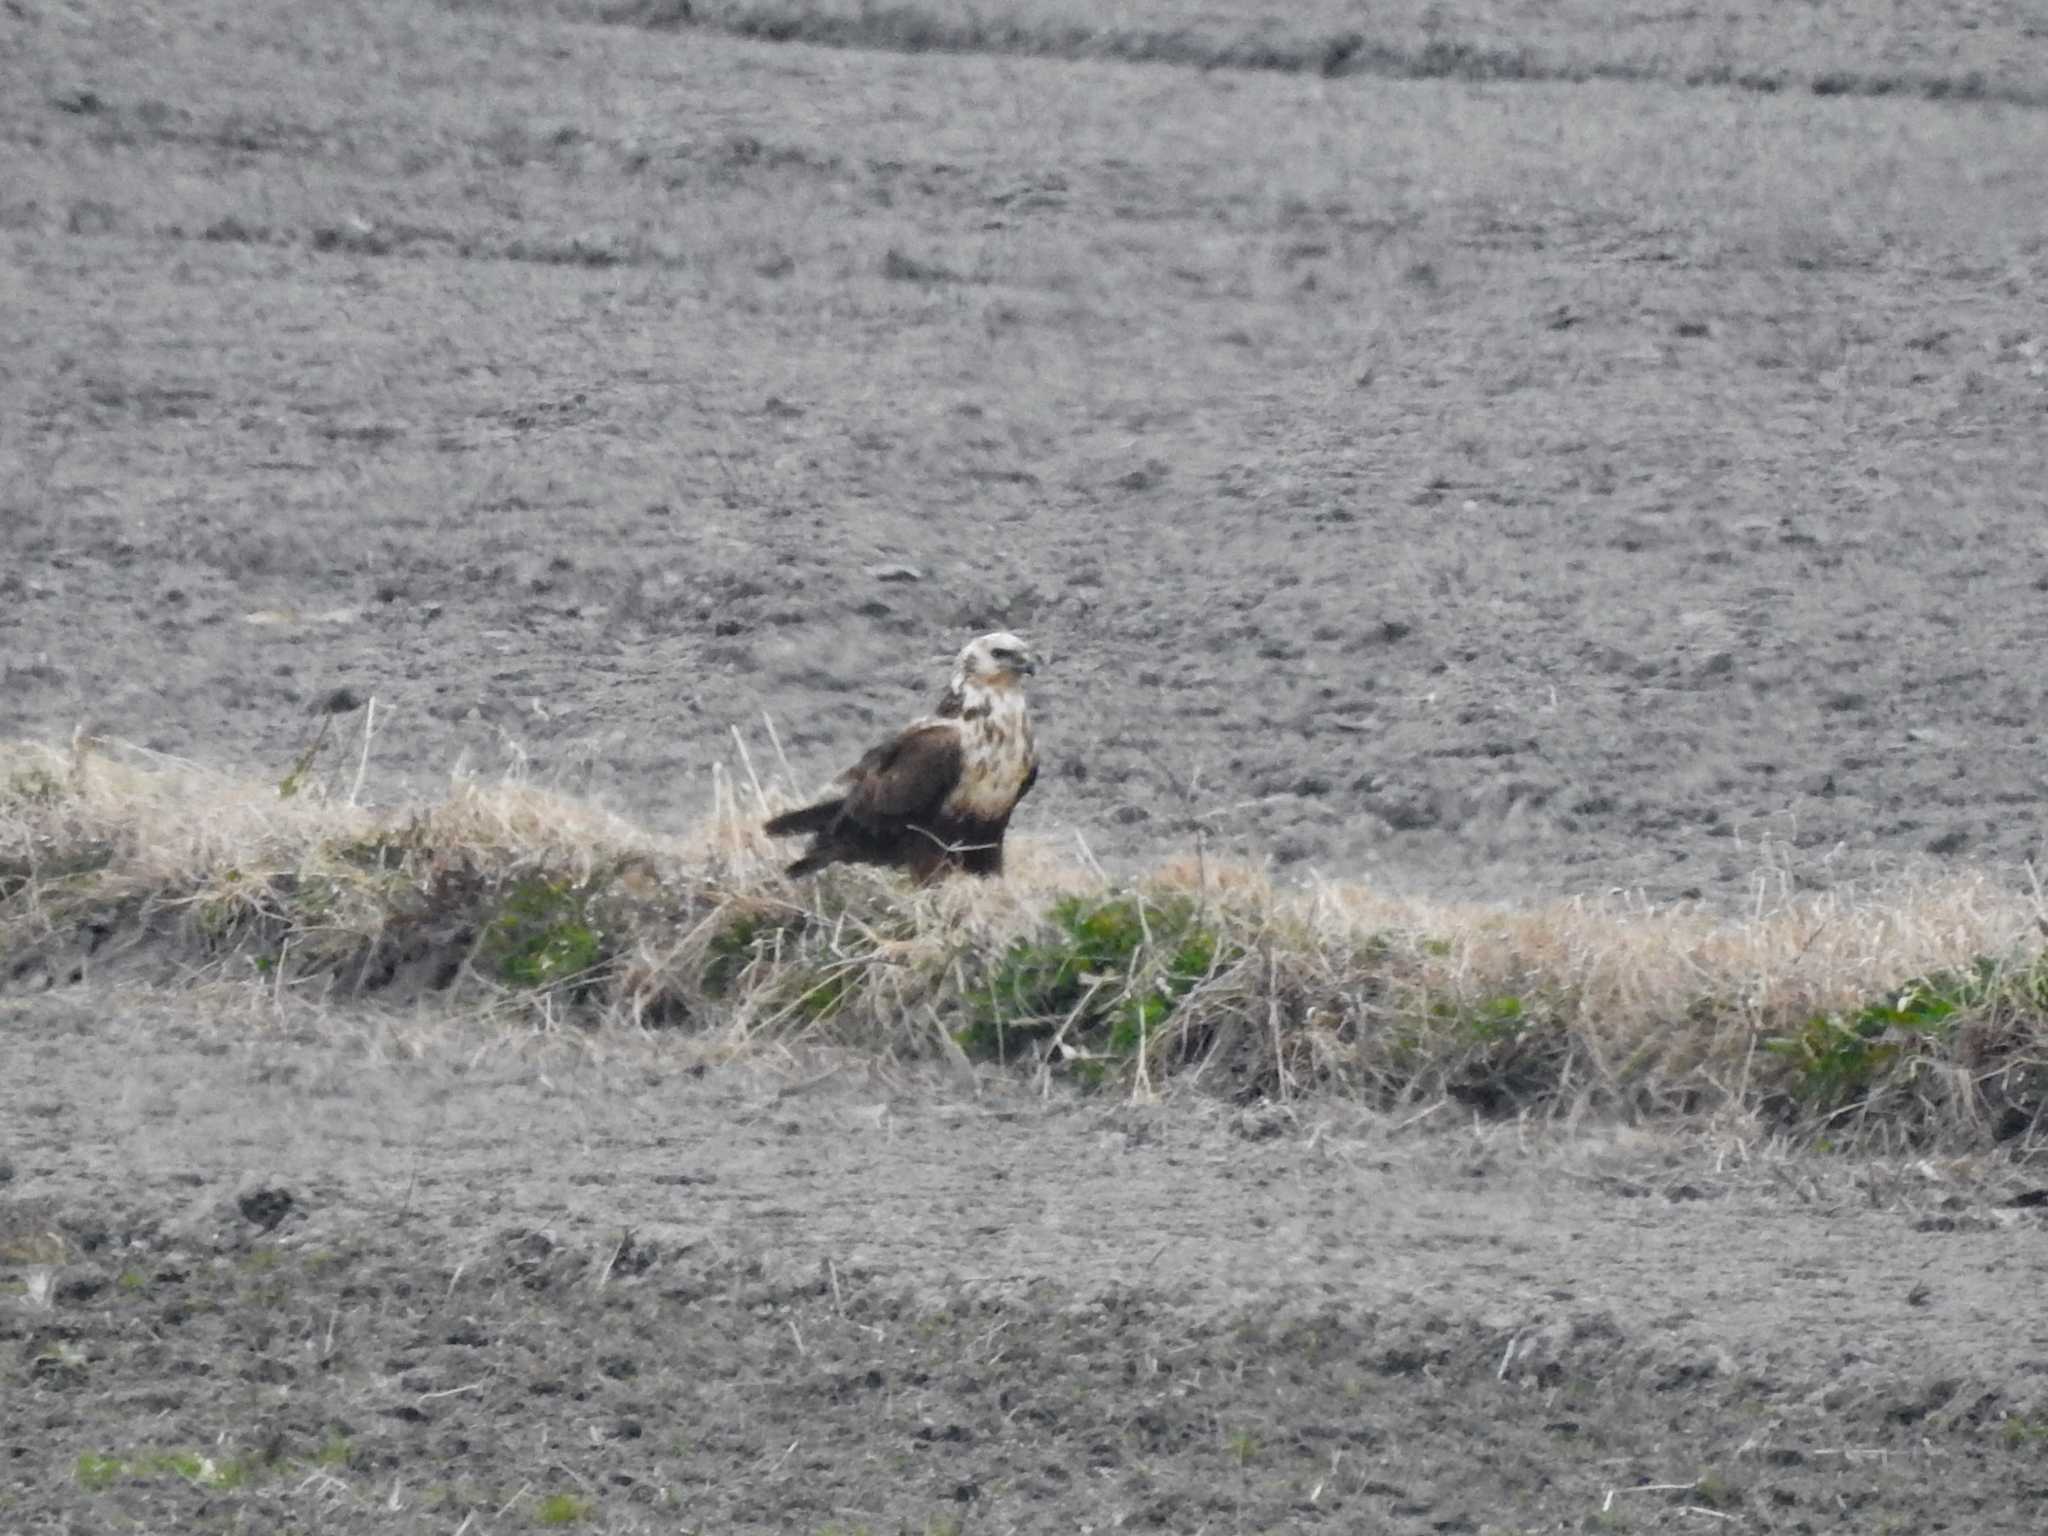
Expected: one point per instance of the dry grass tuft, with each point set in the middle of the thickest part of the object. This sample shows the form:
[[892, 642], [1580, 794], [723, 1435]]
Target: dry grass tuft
[[1910, 1015]]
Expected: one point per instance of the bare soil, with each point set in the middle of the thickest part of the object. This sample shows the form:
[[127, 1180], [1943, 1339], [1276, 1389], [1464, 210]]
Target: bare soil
[[408, 1277], [1490, 489], [1494, 489]]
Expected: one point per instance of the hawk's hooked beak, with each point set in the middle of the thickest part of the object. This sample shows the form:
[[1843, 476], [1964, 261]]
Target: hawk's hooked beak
[[1028, 664]]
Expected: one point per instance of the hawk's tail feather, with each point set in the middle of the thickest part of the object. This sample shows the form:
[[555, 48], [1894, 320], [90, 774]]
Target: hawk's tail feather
[[810, 818]]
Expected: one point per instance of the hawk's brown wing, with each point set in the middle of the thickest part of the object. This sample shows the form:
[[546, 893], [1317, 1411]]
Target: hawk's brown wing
[[906, 779]]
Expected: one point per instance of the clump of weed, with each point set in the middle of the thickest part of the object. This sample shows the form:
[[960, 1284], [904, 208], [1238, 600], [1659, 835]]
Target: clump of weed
[[31, 784], [1102, 982], [96, 1472], [844, 957], [2020, 1431], [1714, 1490], [1502, 1018], [742, 938], [1504, 1049], [543, 936], [1837, 1060], [814, 994], [559, 1509], [336, 1451]]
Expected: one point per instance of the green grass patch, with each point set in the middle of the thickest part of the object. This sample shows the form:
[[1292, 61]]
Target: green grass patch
[[731, 950], [1494, 1020], [814, 994], [95, 1471], [2021, 1432], [559, 1509], [543, 936], [742, 939], [1107, 974], [1838, 1058]]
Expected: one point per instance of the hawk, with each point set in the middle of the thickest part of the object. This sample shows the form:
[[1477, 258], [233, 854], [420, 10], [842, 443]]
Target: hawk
[[938, 795]]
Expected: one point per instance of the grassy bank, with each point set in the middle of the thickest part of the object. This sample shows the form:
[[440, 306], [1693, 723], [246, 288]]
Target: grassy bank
[[1913, 1015]]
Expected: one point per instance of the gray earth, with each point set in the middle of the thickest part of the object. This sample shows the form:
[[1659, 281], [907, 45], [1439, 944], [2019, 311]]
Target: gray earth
[[1500, 490], [1488, 490], [404, 1274]]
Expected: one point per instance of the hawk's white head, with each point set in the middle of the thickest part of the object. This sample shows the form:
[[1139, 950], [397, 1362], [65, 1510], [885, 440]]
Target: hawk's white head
[[993, 661]]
